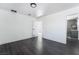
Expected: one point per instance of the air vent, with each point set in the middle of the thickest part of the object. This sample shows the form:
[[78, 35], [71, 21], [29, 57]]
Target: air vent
[[14, 11]]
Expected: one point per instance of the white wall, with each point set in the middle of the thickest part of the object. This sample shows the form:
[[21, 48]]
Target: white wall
[[55, 25], [14, 27]]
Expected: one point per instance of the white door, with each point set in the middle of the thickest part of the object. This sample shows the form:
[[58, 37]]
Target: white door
[[37, 28]]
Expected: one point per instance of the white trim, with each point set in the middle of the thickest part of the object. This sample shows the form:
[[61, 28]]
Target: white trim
[[73, 16]]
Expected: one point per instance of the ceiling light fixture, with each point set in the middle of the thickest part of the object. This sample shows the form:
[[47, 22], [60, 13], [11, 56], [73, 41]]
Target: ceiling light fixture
[[33, 5]]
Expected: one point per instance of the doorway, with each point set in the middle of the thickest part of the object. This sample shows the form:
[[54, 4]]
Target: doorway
[[72, 32], [37, 28]]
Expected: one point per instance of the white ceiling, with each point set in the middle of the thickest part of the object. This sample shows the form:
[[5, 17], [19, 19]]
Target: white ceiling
[[42, 9]]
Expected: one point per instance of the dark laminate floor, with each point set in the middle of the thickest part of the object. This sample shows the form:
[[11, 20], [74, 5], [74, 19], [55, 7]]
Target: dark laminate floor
[[73, 47], [27, 47]]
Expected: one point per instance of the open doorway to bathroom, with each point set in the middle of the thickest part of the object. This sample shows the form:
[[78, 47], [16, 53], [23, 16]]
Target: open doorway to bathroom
[[72, 31]]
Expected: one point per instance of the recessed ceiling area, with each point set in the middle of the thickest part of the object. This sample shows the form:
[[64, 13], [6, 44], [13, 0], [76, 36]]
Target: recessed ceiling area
[[42, 9]]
